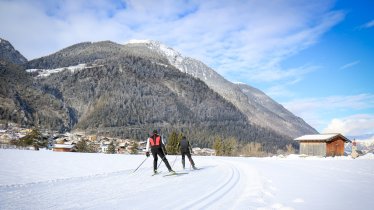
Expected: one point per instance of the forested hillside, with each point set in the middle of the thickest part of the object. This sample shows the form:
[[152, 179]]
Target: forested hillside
[[123, 91], [22, 101], [129, 96]]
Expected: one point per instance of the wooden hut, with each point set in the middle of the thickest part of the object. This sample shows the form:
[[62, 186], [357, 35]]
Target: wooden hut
[[322, 144]]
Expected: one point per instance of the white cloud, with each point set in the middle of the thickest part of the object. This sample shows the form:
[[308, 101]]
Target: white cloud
[[249, 39], [274, 74], [317, 111], [368, 24], [349, 65], [361, 101], [352, 125]]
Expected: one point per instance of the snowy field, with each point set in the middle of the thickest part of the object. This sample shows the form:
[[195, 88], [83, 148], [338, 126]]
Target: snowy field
[[52, 180]]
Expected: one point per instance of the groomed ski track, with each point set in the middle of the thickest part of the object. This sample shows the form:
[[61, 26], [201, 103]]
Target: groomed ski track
[[51, 180], [226, 185]]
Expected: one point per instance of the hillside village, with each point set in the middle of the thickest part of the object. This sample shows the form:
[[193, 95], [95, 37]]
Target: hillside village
[[11, 133], [12, 136]]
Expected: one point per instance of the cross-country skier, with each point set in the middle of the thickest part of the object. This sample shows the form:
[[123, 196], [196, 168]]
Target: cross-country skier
[[186, 149], [157, 146]]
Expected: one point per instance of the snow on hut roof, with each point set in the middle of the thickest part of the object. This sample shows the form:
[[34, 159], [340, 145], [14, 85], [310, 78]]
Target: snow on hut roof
[[320, 137], [65, 146]]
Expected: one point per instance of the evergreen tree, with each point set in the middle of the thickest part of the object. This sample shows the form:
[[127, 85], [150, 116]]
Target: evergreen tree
[[82, 146], [31, 138], [218, 146], [230, 147], [172, 146], [111, 148]]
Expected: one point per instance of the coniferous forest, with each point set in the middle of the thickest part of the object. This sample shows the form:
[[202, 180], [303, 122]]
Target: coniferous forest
[[123, 92]]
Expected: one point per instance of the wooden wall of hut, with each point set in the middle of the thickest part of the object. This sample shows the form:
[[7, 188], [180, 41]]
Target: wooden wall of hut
[[335, 147]]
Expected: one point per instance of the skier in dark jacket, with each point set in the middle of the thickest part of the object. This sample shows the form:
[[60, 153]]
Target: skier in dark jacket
[[186, 149], [157, 146]]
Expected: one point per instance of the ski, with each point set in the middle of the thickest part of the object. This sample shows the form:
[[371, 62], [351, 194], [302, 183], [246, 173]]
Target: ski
[[175, 174], [158, 172]]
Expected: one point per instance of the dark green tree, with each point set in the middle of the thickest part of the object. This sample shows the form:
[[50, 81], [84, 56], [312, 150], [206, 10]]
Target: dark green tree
[[32, 138], [230, 147], [172, 145], [111, 148], [82, 146], [218, 146]]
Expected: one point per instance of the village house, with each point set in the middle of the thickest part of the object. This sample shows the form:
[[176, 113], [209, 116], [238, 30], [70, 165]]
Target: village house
[[104, 145], [121, 148], [63, 147], [4, 137], [142, 145], [322, 144], [92, 138], [25, 131]]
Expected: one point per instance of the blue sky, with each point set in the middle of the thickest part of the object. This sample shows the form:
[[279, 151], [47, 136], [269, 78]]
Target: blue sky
[[314, 57]]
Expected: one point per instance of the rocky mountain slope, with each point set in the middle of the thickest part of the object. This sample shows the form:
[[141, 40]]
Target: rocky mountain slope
[[22, 101], [8, 53], [128, 90], [259, 108]]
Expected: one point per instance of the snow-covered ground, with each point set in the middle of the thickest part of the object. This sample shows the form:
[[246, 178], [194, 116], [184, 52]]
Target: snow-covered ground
[[52, 180]]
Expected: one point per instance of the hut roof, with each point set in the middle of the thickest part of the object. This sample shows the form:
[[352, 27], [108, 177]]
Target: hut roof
[[322, 137], [64, 146]]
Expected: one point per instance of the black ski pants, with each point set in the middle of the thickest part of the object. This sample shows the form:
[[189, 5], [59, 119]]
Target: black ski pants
[[159, 152], [184, 153]]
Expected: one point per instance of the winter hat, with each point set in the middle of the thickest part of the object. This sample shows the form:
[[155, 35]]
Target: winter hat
[[155, 131]]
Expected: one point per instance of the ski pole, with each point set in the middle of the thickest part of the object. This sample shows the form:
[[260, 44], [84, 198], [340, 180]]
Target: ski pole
[[159, 164], [174, 160], [140, 164]]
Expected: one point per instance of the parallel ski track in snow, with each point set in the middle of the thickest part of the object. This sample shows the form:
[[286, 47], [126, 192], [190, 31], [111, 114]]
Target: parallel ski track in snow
[[108, 189], [225, 187], [29, 184]]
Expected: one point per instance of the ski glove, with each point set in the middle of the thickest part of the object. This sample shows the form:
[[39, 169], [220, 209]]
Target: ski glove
[[147, 154]]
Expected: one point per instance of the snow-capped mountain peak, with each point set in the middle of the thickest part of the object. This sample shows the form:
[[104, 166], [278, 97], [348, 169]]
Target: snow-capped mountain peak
[[172, 55], [256, 105]]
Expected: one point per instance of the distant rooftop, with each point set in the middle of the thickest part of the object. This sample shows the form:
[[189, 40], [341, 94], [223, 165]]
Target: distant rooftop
[[64, 146]]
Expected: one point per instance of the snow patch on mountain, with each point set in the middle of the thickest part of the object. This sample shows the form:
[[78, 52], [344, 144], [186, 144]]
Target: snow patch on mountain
[[185, 64], [72, 69], [138, 41]]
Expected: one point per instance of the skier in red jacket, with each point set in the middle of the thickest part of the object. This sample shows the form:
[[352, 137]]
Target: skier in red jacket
[[157, 146]]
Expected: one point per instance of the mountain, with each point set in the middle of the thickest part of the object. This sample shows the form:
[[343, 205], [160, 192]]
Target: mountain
[[22, 101], [8, 53], [259, 108], [128, 90]]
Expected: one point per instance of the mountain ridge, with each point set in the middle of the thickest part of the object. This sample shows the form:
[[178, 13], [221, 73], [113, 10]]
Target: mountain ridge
[[7, 52], [114, 92], [248, 99]]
